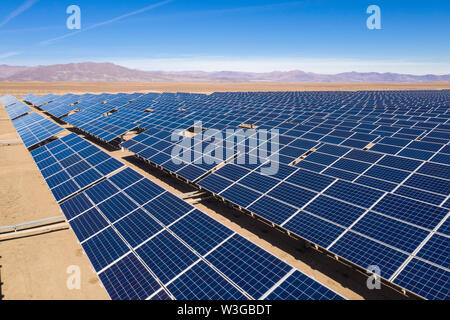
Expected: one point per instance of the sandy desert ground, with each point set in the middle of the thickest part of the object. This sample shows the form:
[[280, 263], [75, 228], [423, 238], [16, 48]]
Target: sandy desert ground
[[34, 267], [40, 88]]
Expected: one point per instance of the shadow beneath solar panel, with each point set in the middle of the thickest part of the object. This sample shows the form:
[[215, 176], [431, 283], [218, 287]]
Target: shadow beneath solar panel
[[107, 146], [161, 175], [57, 120], [1, 283]]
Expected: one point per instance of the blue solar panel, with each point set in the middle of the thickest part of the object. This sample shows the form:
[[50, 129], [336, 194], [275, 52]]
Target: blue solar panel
[[104, 248], [34, 129], [137, 227], [128, 279], [65, 171], [313, 229], [300, 287], [76, 205], [117, 206], [272, 210], [291, 194], [88, 224], [144, 191], [432, 184], [250, 267], [214, 183], [388, 174], [101, 191], [445, 228], [166, 256], [425, 280], [365, 156], [416, 154], [436, 170], [168, 208], [411, 211], [392, 232], [240, 195], [334, 210], [17, 110], [310, 180], [436, 250], [399, 163], [161, 295], [354, 193], [259, 182], [365, 252], [420, 195], [200, 232], [341, 174], [201, 282], [232, 172], [321, 158], [311, 166], [351, 165]]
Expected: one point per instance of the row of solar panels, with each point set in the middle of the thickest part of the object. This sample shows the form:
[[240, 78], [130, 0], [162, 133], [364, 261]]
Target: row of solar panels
[[91, 118], [145, 243], [361, 224], [8, 100], [401, 189], [34, 129], [17, 110], [129, 207], [331, 138]]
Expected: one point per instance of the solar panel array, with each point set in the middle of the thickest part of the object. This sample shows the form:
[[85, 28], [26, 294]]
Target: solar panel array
[[34, 129], [71, 164], [364, 175], [17, 110], [39, 100], [8, 100], [146, 243]]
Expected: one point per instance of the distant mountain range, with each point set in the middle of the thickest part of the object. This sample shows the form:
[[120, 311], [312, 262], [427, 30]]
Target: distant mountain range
[[109, 72]]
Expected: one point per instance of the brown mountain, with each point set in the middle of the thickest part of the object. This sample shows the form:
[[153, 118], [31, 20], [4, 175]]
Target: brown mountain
[[109, 72]]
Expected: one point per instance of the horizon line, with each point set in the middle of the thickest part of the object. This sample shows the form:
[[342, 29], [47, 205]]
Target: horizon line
[[222, 70]]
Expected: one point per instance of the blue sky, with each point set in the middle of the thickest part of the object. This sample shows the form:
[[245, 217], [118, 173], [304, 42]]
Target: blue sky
[[244, 35]]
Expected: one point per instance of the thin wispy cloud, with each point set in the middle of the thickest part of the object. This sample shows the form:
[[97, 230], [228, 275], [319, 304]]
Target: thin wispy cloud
[[9, 54], [23, 7], [110, 21]]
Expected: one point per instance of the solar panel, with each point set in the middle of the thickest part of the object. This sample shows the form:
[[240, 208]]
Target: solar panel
[[17, 110], [250, 267], [288, 289], [425, 279], [128, 279], [70, 172], [8, 100], [34, 129], [365, 253]]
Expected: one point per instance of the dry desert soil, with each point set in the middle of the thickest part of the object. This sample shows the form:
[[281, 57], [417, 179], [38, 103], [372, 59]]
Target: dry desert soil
[[40, 88]]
